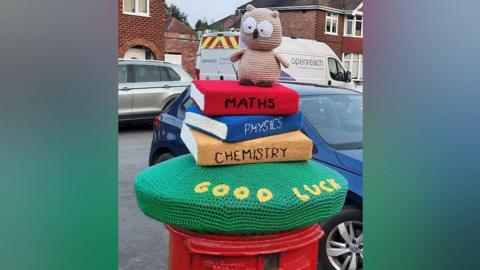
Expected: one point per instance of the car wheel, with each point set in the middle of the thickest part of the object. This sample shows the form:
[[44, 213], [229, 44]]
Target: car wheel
[[162, 157], [342, 245]]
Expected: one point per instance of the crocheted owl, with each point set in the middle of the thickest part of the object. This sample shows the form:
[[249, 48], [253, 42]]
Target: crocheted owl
[[261, 32]]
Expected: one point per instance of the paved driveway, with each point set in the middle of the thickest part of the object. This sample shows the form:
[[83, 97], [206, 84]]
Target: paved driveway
[[143, 242]]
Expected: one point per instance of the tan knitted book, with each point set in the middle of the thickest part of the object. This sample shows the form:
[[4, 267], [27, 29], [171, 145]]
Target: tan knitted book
[[210, 151]]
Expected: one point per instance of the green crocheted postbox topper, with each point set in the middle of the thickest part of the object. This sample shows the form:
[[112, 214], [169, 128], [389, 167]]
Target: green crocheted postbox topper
[[245, 199]]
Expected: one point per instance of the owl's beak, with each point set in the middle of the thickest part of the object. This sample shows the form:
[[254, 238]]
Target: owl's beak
[[255, 34]]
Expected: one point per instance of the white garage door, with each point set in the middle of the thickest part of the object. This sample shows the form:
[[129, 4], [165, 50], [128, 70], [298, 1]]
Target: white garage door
[[173, 58]]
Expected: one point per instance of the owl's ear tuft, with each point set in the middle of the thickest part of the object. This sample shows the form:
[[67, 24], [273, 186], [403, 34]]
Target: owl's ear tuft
[[275, 14], [250, 7]]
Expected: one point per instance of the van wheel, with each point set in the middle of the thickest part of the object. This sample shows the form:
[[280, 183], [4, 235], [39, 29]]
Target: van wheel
[[163, 157]]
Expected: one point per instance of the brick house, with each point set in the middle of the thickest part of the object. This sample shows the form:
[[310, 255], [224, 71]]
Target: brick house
[[141, 27], [229, 23], [181, 44], [338, 23]]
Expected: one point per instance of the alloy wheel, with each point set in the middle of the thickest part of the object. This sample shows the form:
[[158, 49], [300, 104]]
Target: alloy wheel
[[344, 246]]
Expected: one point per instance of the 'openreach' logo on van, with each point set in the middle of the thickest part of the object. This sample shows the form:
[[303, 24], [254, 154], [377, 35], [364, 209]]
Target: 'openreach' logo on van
[[307, 63], [209, 61]]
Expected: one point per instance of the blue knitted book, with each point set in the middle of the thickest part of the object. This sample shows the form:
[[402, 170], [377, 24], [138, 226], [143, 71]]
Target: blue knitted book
[[237, 128]]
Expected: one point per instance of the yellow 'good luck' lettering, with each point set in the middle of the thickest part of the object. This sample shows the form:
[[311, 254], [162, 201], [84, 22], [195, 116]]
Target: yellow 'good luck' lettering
[[315, 192], [220, 190], [334, 184], [264, 195], [302, 197], [317, 189], [241, 193], [323, 187], [202, 187]]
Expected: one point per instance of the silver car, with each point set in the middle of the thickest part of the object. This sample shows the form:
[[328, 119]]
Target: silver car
[[145, 87]]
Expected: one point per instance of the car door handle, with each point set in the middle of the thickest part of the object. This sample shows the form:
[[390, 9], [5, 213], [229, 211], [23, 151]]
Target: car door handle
[[166, 86], [124, 89]]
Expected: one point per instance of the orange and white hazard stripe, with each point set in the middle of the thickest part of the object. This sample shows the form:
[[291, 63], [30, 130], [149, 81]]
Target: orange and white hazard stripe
[[220, 42]]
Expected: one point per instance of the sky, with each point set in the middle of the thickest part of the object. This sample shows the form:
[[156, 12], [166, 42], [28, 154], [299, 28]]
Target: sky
[[210, 9]]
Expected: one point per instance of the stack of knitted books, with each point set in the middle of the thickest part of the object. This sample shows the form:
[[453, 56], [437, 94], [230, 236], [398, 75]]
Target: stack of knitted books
[[234, 124], [249, 171]]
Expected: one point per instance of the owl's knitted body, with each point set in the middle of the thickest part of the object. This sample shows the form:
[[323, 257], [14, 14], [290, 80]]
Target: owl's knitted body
[[261, 32], [259, 67]]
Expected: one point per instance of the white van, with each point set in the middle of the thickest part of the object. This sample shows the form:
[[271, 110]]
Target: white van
[[310, 61], [213, 56]]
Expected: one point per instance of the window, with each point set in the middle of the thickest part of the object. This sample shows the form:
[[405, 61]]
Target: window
[[136, 7], [331, 24], [122, 74], [172, 74], [332, 67], [337, 72], [149, 55], [338, 119], [163, 74], [168, 74], [354, 63], [145, 73], [353, 26], [150, 73]]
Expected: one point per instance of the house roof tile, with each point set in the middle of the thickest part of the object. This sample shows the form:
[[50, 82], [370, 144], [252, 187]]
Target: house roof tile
[[232, 21], [336, 4], [176, 26]]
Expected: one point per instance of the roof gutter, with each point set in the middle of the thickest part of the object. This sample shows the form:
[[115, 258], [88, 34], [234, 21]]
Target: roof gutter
[[310, 7]]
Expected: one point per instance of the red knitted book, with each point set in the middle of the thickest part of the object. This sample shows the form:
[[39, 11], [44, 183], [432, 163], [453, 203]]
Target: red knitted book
[[231, 98]]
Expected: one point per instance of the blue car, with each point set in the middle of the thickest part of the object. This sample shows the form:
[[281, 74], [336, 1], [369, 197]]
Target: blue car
[[333, 119]]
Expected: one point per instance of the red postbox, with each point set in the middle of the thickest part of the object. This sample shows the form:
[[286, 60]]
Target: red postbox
[[293, 250]]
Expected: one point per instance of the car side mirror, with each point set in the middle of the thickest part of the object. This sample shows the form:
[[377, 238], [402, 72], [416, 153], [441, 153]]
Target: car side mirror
[[348, 78]]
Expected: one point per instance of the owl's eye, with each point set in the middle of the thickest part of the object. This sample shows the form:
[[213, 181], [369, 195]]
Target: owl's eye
[[249, 24], [265, 29]]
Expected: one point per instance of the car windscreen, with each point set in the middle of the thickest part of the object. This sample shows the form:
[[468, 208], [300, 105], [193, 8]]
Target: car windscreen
[[338, 119]]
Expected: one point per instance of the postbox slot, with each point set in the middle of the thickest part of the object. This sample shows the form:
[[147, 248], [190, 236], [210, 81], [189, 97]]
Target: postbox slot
[[271, 261]]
